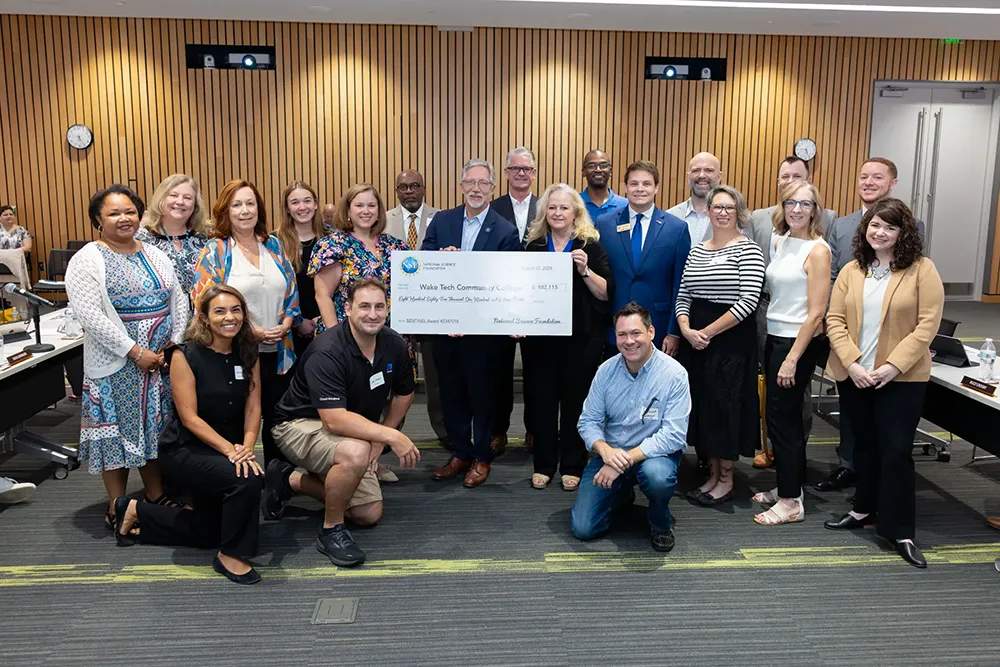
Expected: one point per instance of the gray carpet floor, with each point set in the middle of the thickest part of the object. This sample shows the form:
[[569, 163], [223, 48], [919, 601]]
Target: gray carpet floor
[[492, 576]]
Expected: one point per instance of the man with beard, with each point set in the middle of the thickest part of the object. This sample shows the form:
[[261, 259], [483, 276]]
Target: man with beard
[[598, 196], [467, 365], [704, 173], [408, 222], [330, 422]]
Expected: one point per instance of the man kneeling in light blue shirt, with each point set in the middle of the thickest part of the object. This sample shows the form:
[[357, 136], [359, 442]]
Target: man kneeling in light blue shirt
[[634, 421]]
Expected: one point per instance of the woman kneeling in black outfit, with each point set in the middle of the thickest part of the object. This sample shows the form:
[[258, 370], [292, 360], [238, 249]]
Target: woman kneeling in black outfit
[[208, 446]]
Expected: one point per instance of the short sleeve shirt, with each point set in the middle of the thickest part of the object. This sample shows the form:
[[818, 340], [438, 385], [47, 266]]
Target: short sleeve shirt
[[333, 373], [14, 238]]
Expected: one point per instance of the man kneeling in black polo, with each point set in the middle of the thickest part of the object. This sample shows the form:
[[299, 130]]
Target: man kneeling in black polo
[[328, 421]]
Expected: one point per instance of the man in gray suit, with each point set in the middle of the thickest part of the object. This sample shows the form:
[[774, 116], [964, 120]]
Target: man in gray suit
[[409, 222], [761, 230], [877, 180], [704, 174]]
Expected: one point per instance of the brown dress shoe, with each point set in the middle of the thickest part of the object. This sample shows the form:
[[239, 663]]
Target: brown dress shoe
[[529, 443], [477, 475], [763, 460], [498, 444], [993, 522], [452, 469]]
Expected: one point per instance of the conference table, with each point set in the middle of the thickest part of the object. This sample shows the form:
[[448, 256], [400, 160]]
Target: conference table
[[33, 385], [966, 413]]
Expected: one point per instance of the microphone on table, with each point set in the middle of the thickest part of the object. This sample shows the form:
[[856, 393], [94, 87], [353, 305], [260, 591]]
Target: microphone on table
[[11, 288], [39, 346]]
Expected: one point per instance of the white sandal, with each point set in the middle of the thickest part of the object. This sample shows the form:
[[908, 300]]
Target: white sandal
[[766, 497], [777, 515]]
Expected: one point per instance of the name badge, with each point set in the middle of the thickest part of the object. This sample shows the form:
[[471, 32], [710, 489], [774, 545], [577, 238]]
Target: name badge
[[239, 372], [376, 380], [653, 414], [627, 227], [715, 261]]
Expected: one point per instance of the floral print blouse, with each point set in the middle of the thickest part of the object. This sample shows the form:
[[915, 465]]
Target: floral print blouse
[[184, 260], [14, 238]]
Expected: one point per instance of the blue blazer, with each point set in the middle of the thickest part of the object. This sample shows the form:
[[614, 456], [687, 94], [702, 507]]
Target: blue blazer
[[654, 283], [446, 230]]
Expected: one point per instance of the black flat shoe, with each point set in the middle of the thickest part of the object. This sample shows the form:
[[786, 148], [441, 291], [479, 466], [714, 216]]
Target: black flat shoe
[[694, 494], [848, 522], [121, 507], [708, 500], [248, 579], [841, 478], [911, 554]]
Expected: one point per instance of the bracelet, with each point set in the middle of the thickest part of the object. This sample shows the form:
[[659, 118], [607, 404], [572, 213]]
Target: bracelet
[[137, 357]]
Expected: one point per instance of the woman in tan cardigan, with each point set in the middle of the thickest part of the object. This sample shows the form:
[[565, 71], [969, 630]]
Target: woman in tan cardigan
[[884, 312]]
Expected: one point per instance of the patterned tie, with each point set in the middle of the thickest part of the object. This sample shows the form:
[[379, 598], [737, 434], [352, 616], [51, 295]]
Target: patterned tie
[[411, 233], [637, 240]]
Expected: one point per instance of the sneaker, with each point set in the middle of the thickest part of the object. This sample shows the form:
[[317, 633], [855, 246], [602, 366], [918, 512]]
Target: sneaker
[[385, 475], [661, 541], [339, 546], [277, 490], [12, 491]]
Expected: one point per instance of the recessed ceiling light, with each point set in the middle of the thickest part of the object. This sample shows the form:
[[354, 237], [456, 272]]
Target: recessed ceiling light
[[579, 15], [830, 22], [320, 8], [770, 22]]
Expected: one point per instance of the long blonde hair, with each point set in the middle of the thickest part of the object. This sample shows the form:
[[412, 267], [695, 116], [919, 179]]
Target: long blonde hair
[[287, 234], [815, 228], [154, 211], [583, 226]]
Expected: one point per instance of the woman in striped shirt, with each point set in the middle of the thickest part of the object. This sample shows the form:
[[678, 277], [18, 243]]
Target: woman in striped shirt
[[721, 285]]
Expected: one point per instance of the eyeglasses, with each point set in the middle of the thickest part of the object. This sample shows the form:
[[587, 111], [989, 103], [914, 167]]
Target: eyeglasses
[[722, 208], [520, 170], [481, 183], [409, 187], [594, 166], [790, 204]]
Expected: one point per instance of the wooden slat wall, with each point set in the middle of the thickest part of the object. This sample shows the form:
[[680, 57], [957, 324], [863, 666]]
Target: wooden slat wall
[[353, 103]]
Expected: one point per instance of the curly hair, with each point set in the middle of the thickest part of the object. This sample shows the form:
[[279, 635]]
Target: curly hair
[[245, 344], [909, 246]]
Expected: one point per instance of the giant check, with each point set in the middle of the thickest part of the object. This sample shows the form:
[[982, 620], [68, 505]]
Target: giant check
[[525, 293]]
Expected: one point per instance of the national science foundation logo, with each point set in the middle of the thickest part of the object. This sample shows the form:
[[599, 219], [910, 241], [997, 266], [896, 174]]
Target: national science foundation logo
[[410, 265]]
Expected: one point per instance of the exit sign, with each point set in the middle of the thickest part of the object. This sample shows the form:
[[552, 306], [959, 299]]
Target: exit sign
[[951, 41]]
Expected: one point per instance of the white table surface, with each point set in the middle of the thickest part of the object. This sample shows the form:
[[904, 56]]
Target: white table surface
[[951, 377], [50, 323]]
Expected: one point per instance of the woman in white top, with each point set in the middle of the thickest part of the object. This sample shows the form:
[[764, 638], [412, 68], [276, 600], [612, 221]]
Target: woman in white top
[[131, 306], [798, 280], [242, 255]]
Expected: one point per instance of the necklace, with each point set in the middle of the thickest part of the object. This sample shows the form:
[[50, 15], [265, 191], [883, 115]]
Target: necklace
[[879, 274]]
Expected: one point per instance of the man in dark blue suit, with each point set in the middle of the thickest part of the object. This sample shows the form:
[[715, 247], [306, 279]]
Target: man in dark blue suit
[[647, 248], [467, 365]]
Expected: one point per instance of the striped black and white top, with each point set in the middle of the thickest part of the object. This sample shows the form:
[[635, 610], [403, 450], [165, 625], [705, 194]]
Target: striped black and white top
[[734, 274]]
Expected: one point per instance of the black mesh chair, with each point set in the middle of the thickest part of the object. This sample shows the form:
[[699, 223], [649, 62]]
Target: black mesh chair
[[76, 245], [56, 269]]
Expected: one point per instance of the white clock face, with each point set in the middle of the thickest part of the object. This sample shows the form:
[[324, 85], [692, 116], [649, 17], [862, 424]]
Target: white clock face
[[805, 149], [79, 136]]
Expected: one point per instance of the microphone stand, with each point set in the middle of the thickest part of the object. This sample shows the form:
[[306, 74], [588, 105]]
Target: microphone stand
[[39, 346]]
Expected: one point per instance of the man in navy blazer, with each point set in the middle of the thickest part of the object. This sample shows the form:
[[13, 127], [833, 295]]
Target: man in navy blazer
[[467, 365], [647, 248]]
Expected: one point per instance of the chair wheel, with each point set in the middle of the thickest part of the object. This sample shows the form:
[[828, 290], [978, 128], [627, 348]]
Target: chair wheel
[[930, 450], [62, 472], [944, 456]]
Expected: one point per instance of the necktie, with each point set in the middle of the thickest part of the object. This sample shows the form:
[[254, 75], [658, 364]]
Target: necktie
[[637, 240], [411, 233]]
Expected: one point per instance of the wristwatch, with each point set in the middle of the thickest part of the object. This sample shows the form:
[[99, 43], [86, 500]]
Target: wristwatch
[[586, 272]]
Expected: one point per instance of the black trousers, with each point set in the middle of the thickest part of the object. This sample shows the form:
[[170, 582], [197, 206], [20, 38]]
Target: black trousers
[[272, 388], [557, 375], [783, 411], [74, 374], [883, 423], [224, 510], [504, 389], [466, 371]]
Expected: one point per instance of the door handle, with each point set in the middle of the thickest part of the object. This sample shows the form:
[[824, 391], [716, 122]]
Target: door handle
[[935, 154], [915, 198]]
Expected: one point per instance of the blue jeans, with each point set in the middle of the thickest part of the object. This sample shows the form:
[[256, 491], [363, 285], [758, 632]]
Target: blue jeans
[[657, 477]]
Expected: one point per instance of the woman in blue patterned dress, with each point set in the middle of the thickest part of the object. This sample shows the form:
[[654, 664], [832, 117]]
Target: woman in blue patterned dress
[[131, 306], [357, 248]]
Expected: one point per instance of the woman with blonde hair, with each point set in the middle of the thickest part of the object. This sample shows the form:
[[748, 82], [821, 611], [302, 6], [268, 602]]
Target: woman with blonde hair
[[357, 248], [301, 227], [557, 370], [798, 280], [175, 223], [241, 254]]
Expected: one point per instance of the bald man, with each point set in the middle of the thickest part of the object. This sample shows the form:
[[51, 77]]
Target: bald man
[[704, 173], [328, 212]]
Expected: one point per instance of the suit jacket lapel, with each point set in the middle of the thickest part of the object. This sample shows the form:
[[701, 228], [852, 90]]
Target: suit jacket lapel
[[484, 232], [655, 223], [625, 237]]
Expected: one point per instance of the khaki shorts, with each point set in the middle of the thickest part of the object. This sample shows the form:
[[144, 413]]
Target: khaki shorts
[[308, 445]]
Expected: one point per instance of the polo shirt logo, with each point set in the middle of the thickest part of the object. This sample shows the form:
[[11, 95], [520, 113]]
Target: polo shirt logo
[[388, 368]]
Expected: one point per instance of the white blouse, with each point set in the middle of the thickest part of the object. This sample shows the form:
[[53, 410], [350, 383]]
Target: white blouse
[[871, 320], [263, 288], [788, 286]]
